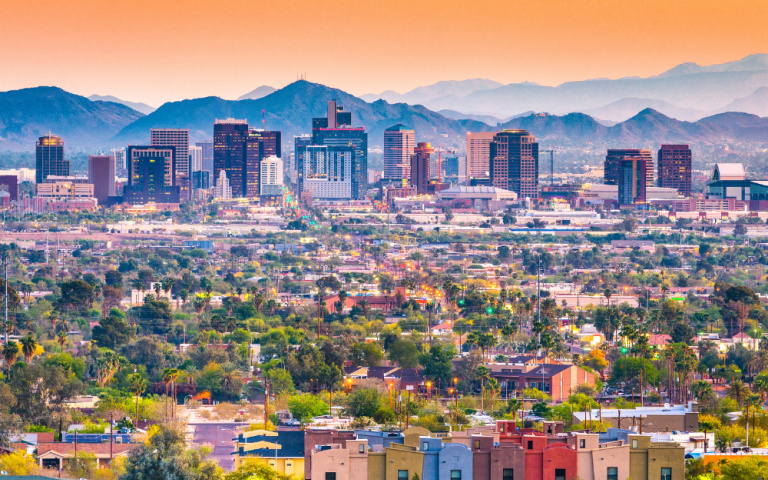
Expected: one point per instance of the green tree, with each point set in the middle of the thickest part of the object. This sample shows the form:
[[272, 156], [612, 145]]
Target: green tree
[[305, 406], [364, 402], [76, 295], [404, 354], [366, 354], [112, 332], [280, 381], [438, 364]]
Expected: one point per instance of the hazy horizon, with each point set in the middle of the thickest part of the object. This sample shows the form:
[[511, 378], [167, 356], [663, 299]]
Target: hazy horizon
[[158, 51]]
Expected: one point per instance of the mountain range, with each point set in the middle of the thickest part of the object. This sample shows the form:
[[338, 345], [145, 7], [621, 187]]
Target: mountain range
[[438, 90], [138, 106], [104, 122], [30, 113]]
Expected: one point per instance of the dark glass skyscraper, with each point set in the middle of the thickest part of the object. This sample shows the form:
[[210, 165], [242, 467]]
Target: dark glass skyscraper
[[49, 158], [230, 138], [514, 163], [674, 168], [336, 130], [613, 161], [151, 175], [420, 167], [260, 145]]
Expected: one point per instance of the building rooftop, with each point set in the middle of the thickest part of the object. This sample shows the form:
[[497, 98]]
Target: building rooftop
[[399, 128]]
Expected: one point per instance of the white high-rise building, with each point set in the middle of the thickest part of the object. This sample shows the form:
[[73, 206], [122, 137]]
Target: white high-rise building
[[271, 176], [222, 190], [195, 158]]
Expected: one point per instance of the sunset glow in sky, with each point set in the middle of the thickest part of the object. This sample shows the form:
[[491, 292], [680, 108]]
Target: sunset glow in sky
[[160, 50]]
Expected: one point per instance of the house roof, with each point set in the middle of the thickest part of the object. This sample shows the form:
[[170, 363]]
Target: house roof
[[290, 444], [661, 339], [64, 449]]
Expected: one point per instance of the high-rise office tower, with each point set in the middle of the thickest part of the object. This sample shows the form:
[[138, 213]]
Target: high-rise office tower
[[10, 184], [420, 167], [271, 173], [195, 158], [632, 180], [120, 164], [49, 158], [614, 158], [230, 138], [326, 171], [151, 175], [479, 153], [101, 174], [207, 155], [259, 145], [343, 134], [175, 137], [514, 163], [399, 142], [299, 142], [675, 168], [201, 180]]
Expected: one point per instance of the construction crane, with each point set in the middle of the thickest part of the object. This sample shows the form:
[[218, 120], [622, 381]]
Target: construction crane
[[551, 166]]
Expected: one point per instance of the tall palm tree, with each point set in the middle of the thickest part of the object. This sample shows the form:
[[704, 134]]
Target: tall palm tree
[[608, 294], [738, 391], [258, 301], [138, 386], [231, 379], [482, 373], [495, 388], [62, 339], [11, 351], [29, 347]]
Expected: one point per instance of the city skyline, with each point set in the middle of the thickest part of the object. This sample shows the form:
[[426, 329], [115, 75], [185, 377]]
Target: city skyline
[[584, 40]]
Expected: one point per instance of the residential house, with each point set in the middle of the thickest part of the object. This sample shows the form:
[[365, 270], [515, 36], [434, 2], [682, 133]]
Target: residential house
[[281, 450]]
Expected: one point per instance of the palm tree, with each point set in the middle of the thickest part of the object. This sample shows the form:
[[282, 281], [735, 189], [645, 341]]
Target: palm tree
[[702, 391], [482, 373], [258, 301], [29, 347], [513, 406], [11, 351], [169, 377], [138, 385], [495, 388], [738, 391], [608, 294], [61, 339], [231, 379], [365, 307]]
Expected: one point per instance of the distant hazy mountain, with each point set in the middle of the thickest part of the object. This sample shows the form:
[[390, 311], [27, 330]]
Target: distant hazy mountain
[[686, 86], [647, 127], [757, 103], [29, 113], [260, 92], [628, 107], [420, 95], [138, 106], [291, 109], [751, 63]]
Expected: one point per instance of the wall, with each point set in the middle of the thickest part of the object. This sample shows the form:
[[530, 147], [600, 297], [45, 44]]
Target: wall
[[331, 460], [377, 467], [400, 457], [313, 438], [455, 457]]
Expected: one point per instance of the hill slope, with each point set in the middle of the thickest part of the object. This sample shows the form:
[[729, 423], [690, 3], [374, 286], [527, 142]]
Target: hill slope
[[31, 112], [259, 92], [138, 106], [291, 109], [420, 95], [756, 103], [626, 108]]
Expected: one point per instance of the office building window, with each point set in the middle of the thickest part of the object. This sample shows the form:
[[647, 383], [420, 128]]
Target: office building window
[[634, 443], [559, 474], [402, 475], [361, 448], [613, 473], [666, 474], [455, 474], [508, 474], [582, 443]]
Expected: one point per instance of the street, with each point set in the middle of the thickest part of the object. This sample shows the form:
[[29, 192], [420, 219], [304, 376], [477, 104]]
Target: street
[[212, 434]]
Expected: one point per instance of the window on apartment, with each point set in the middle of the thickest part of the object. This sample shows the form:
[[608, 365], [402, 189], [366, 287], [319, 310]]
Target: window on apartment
[[613, 473], [455, 474], [559, 474], [477, 444], [666, 474], [455, 459], [288, 464], [634, 443], [549, 428], [508, 474], [424, 446], [361, 448], [582, 443], [530, 444], [402, 475], [533, 384], [330, 475]]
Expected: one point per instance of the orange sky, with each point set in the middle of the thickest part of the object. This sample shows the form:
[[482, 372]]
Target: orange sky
[[160, 50]]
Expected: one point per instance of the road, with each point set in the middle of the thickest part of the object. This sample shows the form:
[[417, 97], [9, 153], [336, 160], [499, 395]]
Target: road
[[221, 441]]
